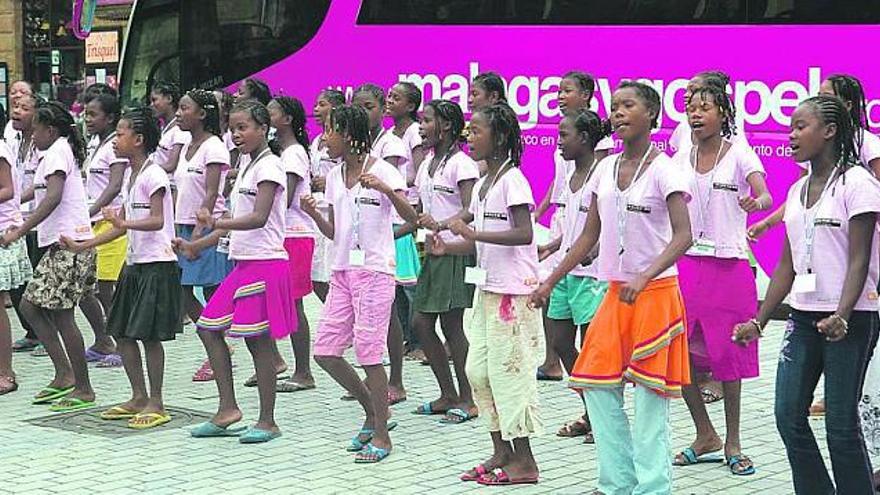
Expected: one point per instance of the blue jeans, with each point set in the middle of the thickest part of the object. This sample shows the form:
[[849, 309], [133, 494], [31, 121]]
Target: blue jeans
[[804, 356]]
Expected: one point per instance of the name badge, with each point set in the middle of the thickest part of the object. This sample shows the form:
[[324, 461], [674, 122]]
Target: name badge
[[422, 235], [702, 247], [475, 276], [804, 283], [357, 257], [223, 245]]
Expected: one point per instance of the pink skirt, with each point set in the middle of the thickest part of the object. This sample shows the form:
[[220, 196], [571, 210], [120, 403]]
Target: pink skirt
[[300, 251], [255, 299], [719, 293]]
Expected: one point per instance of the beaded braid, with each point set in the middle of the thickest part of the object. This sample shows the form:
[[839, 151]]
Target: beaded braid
[[352, 121], [413, 95], [832, 110], [588, 121], [293, 108], [584, 81], [206, 101], [648, 95], [55, 114], [505, 130], [143, 122], [450, 112], [849, 89], [722, 100]]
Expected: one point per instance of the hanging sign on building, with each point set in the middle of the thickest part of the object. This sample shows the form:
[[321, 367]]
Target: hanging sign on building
[[102, 47]]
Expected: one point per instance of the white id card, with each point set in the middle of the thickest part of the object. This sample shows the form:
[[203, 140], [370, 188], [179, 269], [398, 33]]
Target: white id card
[[422, 235], [357, 257], [475, 276], [223, 245], [702, 247], [804, 283]]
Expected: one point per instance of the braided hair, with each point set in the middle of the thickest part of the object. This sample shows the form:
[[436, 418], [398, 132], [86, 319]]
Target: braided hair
[[413, 95], [491, 82], [722, 100], [293, 108], [849, 89], [714, 77], [584, 81], [373, 90], [832, 110], [225, 100], [589, 122], [206, 101], [255, 110], [55, 114], [96, 90], [335, 97], [143, 122], [448, 111], [169, 90], [352, 121], [109, 104], [648, 95], [505, 130], [258, 90]]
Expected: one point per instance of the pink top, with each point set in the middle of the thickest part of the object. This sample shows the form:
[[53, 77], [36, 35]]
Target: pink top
[[362, 219], [855, 193], [682, 140], [10, 214], [190, 177], [715, 213], [509, 269], [647, 229], [320, 166], [577, 205], [411, 139], [266, 242], [562, 168], [172, 135], [387, 146], [150, 246], [97, 168], [71, 216], [440, 195], [296, 161]]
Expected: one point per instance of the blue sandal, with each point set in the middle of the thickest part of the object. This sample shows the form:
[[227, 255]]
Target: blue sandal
[[456, 416], [371, 454], [258, 435], [357, 445], [689, 457], [210, 430], [735, 464]]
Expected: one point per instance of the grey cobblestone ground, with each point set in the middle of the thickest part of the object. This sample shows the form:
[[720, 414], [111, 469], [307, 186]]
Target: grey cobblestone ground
[[310, 458]]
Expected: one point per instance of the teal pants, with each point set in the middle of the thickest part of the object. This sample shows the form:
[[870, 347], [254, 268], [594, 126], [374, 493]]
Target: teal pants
[[631, 461]]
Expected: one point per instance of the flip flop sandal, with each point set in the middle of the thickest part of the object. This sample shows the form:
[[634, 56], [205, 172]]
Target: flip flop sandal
[[24, 344], [205, 373], [576, 428], [210, 430], [543, 376], [153, 420], [70, 404], [710, 396], [39, 351], [118, 412], [51, 394], [357, 445], [252, 381], [589, 438], [735, 463], [817, 409], [426, 410], [93, 356], [479, 470], [7, 385], [258, 435], [456, 416], [499, 477], [371, 454], [110, 361], [689, 457], [288, 386], [394, 398]]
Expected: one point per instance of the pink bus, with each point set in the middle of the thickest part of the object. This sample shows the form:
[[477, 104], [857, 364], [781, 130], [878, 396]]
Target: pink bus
[[776, 51]]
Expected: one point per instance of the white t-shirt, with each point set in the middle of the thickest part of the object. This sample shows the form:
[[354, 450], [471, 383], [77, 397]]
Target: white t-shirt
[[10, 213], [440, 195], [562, 168], [100, 159], [869, 151], [26, 167], [320, 166], [509, 269], [411, 139], [577, 205], [362, 219], [295, 161], [266, 242], [191, 180], [172, 135], [9, 133], [714, 212], [682, 140], [647, 229], [386, 147], [855, 193], [71, 217], [150, 246]]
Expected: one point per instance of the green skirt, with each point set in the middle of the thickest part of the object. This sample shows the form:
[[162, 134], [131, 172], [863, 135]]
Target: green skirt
[[147, 303], [441, 286]]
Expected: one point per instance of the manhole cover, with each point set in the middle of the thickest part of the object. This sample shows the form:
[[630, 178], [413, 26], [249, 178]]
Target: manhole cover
[[87, 421]]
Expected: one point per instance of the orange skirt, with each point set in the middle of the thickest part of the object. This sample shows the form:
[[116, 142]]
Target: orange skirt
[[644, 343]]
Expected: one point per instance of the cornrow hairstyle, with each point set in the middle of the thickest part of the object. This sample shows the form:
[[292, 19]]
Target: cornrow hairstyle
[[849, 90], [258, 90], [169, 89], [413, 95], [226, 101], [110, 106], [448, 111], [143, 122], [98, 89], [584, 81], [206, 101], [373, 90], [832, 110], [648, 95], [255, 110], [589, 122], [335, 97], [505, 130], [55, 114], [352, 121], [491, 82], [715, 76], [725, 106], [294, 109]]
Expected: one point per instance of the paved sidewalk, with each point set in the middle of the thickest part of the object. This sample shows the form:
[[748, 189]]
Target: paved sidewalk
[[310, 457]]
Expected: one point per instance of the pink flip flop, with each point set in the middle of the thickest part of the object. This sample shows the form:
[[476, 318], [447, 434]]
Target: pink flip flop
[[479, 469], [499, 477]]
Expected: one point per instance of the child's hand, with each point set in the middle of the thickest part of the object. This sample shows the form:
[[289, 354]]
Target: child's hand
[[319, 183], [539, 298], [185, 248], [435, 245], [308, 204], [204, 221], [745, 333], [632, 289], [11, 235], [427, 222], [756, 230], [458, 227], [750, 204], [370, 181], [544, 252], [69, 244], [112, 215]]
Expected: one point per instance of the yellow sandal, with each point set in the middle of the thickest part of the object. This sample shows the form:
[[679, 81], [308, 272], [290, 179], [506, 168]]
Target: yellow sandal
[[118, 412], [148, 420]]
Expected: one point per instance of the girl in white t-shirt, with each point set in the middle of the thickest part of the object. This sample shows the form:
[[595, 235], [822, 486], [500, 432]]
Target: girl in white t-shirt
[[146, 306], [361, 194], [486, 89], [164, 100], [505, 337], [255, 301], [61, 278], [829, 266], [390, 148], [321, 165], [402, 105]]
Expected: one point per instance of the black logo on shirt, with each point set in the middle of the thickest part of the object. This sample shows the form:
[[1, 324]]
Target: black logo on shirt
[[827, 222], [725, 187], [495, 216], [638, 208], [247, 192], [369, 201], [444, 189]]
